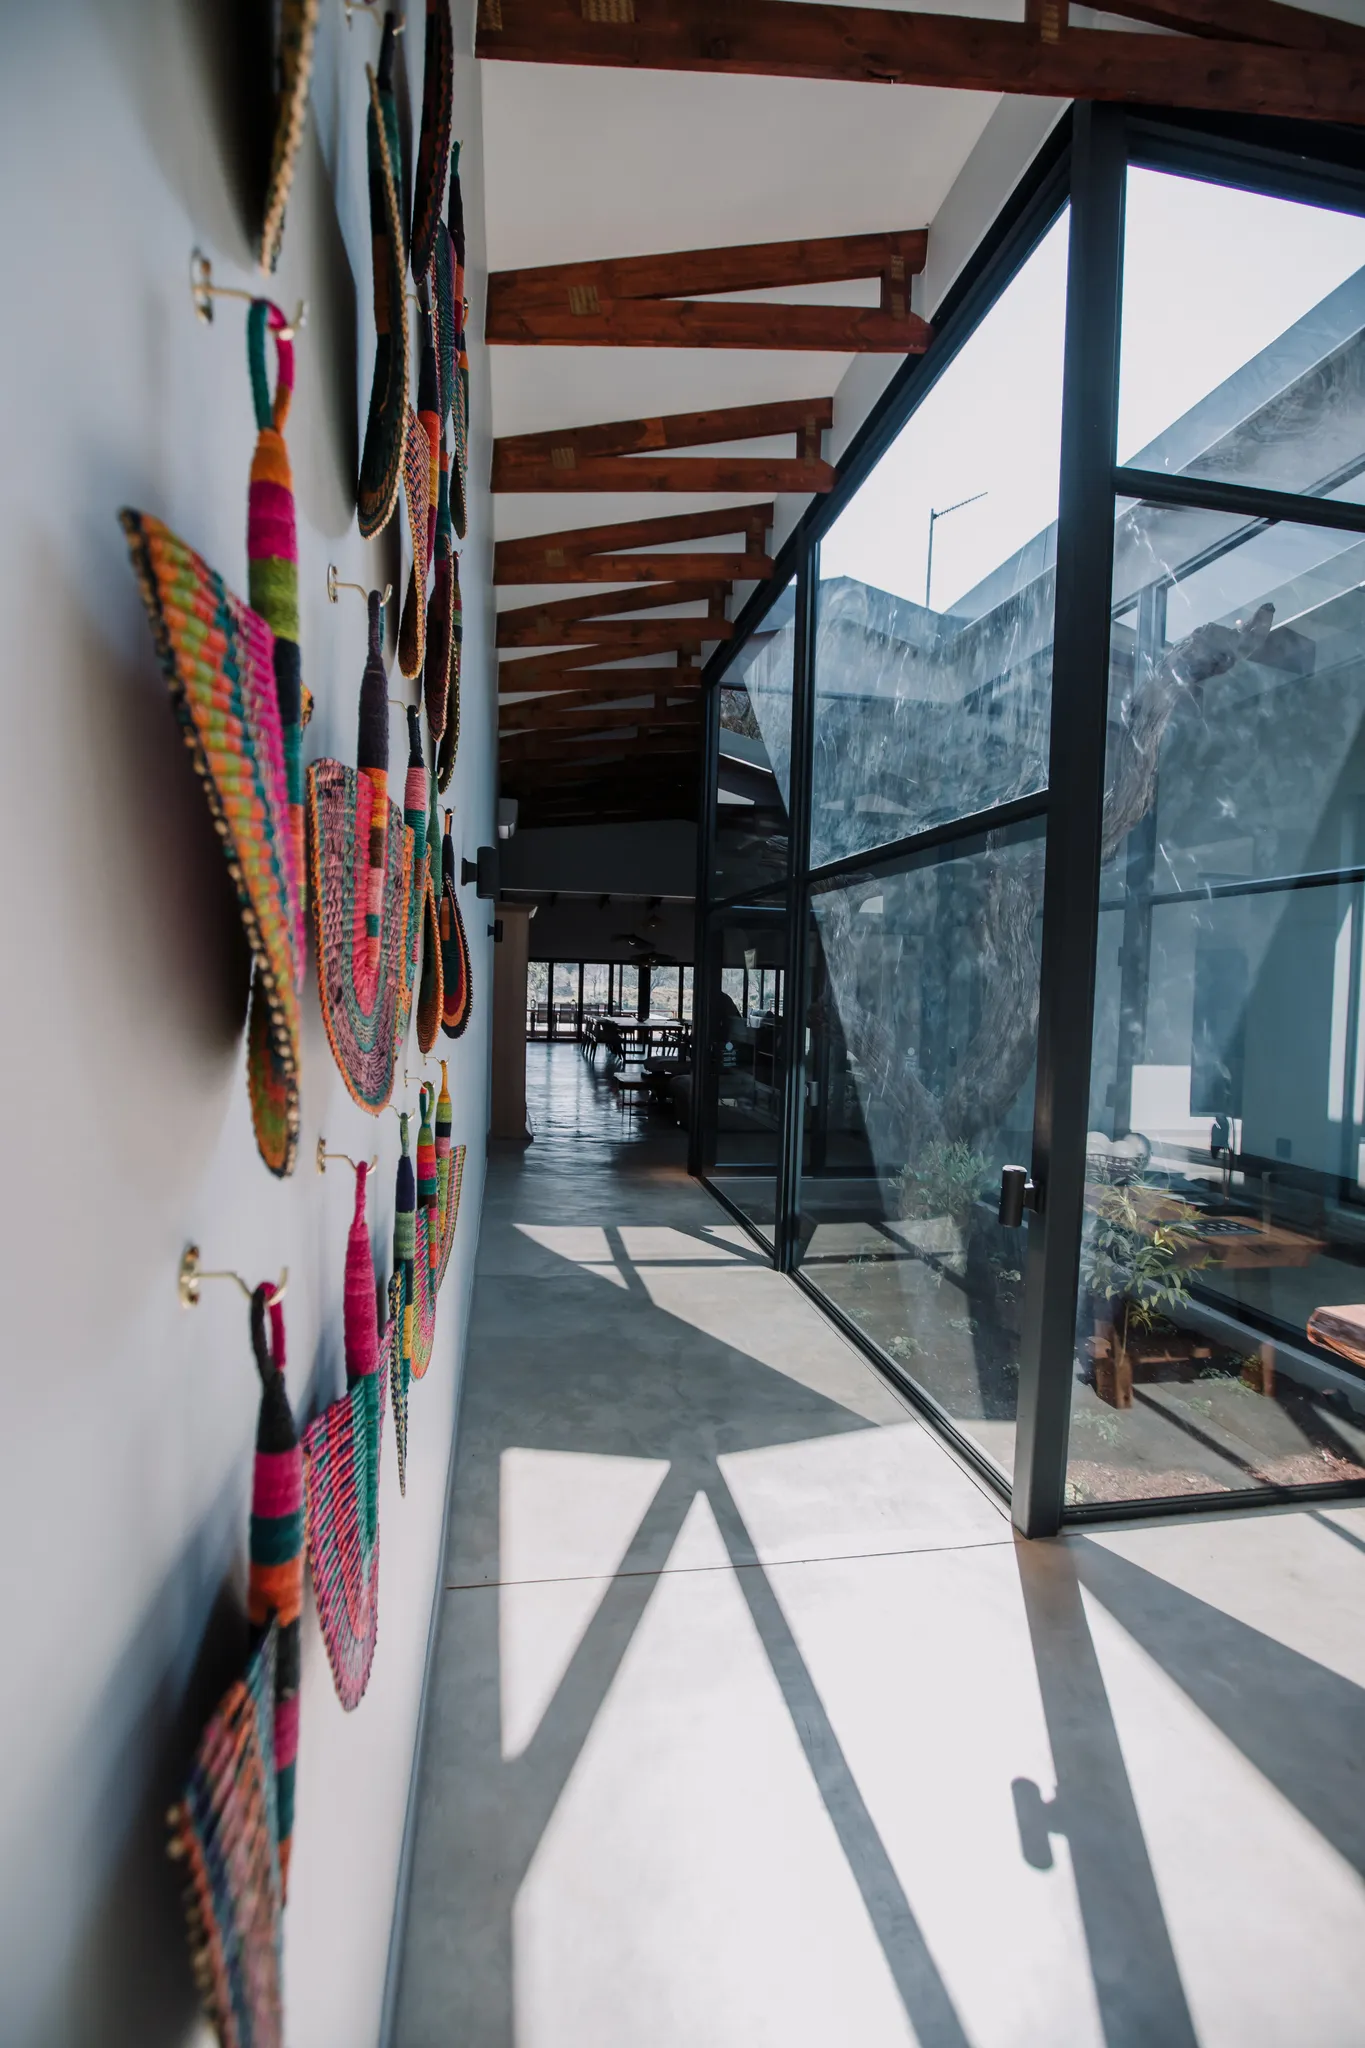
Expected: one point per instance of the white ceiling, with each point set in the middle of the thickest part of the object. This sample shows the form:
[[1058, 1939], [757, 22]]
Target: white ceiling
[[589, 164]]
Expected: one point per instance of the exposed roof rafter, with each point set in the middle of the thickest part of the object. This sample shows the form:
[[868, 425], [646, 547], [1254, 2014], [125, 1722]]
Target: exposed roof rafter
[[1324, 81]]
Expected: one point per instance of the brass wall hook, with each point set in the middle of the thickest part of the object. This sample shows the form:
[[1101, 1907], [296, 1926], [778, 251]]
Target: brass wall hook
[[323, 1155], [191, 1274], [203, 292], [337, 583]]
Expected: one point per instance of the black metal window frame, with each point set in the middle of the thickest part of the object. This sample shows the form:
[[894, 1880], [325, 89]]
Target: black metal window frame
[[1083, 165]]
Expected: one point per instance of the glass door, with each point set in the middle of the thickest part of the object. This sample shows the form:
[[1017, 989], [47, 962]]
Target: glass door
[[932, 680]]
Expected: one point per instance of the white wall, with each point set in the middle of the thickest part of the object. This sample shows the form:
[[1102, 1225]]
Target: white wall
[[128, 1422]]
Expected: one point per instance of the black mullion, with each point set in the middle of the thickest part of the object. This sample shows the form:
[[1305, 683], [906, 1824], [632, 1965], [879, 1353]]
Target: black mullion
[[1207, 494], [1085, 526], [706, 860], [788, 1206], [975, 826]]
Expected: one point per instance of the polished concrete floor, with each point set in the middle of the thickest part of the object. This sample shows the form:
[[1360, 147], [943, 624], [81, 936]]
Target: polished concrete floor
[[753, 1727]]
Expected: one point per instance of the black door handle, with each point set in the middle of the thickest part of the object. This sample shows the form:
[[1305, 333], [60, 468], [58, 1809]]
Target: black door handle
[[1018, 1192]]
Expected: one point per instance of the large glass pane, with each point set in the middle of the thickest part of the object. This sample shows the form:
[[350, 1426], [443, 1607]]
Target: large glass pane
[[1243, 337], [596, 988], [537, 999], [753, 783], [921, 1023], [933, 656], [742, 1060], [1221, 1326], [564, 1000]]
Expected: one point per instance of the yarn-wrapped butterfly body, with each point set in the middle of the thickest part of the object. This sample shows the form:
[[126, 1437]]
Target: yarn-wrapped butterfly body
[[273, 587], [341, 1449], [275, 1583], [218, 657]]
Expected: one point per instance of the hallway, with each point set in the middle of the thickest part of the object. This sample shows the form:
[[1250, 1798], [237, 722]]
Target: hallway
[[750, 1722]]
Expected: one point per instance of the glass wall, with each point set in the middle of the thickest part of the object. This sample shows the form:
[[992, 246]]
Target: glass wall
[[933, 658], [753, 767], [1221, 1319], [1169, 1306], [921, 1023], [741, 1058]]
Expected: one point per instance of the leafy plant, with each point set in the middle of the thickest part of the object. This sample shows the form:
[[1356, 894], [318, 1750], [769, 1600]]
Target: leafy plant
[[1139, 1264], [944, 1181]]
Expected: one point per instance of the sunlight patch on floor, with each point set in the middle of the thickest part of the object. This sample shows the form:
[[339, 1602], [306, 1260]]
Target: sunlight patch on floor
[[662, 1241], [751, 1309], [690, 1863]]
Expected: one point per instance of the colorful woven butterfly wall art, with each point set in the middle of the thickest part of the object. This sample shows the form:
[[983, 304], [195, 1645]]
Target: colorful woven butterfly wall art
[[275, 1583], [457, 989], [218, 657], [296, 33], [341, 1452], [273, 587], [381, 460], [360, 860], [224, 1836], [426, 1206]]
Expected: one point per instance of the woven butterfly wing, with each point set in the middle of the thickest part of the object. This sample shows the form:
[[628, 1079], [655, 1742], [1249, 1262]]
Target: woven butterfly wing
[[433, 150], [360, 859], [297, 32], [401, 1282], [218, 659], [450, 1213], [381, 461], [415, 791], [417, 493], [341, 1452], [224, 1839], [458, 989]]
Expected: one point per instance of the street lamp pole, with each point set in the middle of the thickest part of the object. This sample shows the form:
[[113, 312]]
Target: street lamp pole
[[934, 517]]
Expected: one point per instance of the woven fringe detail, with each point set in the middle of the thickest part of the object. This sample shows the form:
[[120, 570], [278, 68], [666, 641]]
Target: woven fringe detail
[[364, 1038], [294, 71], [218, 659], [381, 462], [224, 1840], [341, 1452], [433, 151]]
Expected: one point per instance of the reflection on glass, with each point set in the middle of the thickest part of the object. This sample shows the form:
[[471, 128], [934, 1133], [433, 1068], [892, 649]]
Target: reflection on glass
[[1221, 1324], [1259, 378], [753, 783], [742, 1061], [921, 1027], [933, 655]]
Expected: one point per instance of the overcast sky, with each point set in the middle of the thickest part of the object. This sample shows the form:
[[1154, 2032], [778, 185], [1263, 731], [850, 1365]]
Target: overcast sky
[[1211, 275]]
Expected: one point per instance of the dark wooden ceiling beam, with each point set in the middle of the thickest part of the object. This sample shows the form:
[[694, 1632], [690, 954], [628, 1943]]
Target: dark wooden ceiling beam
[[698, 569], [658, 744], [529, 617], [570, 683], [694, 273], [654, 302], [708, 323], [1248, 21], [671, 473], [616, 638], [578, 553], [568, 445], [656, 712], [795, 39]]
